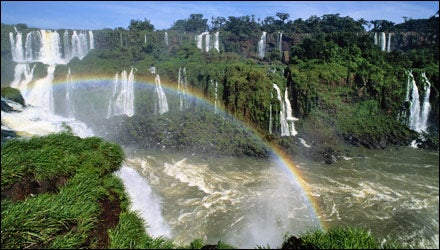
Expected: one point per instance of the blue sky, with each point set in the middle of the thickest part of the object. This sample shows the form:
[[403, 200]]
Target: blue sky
[[162, 14]]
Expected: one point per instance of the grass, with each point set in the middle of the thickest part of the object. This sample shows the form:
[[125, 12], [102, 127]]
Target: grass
[[66, 218], [345, 238]]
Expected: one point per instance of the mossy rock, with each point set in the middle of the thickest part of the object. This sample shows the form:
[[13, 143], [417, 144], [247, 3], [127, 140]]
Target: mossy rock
[[12, 94]]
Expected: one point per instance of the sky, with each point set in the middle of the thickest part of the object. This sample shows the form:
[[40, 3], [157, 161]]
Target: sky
[[92, 15]]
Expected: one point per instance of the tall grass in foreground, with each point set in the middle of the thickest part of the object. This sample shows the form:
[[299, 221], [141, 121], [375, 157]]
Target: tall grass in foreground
[[345, 238]]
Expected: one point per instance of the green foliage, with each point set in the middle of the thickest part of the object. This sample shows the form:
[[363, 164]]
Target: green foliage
[[66, 218], [139, 25], [345, 238], [195, 23]]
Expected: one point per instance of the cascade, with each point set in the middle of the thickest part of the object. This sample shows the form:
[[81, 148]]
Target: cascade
[[289, 116], [115, 92], [286, 118], [122, 102], [42, 93], [283, 121], [375, 39], [69, 95], [280, 42], [161, 104], [199, 39], [216, 42], [79, 45], [91, 41], [262, 45], [418, 113], [389, 43], [382, 41], [145, 39], [182, 88], [16, 46], [22, 69], [66, 43], [166, 38], [426, 105], [415, 104], [50, 50], [45, 46], [207, 42]]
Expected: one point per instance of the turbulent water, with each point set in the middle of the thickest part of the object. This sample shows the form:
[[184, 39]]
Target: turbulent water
[[248, 202], [393, 192], [242, 201]]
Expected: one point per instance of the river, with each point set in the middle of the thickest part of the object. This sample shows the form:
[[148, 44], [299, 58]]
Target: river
[[250, 202]]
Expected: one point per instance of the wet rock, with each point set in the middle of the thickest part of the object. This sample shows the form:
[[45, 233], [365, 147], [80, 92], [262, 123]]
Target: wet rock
[[296, 243]]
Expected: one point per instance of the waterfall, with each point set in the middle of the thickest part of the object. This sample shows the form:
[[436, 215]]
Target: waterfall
[[22, 69], [426, 105], [418, 114], [115, 92], [207, 42], [280, 42], [66, 43], [389, 43], [91, 40], [144, 201], [289, 116], [382, 41], [161, 104], [42, 93], [199, 41], [122, 101], [182, 88], [286, 118], [45, 46], [216, 41], [145, 39], [262, 45], [375, 39], [283, 121], [80, 47], [69, 95], [415, 104], [16, 46]]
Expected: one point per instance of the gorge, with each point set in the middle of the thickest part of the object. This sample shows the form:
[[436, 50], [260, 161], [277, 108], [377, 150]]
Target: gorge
[[234, 143]]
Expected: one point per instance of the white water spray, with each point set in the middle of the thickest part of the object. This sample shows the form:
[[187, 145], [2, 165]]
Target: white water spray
[[144, 201], [42, 93], [161, 103], [70, 88], [418, 114], [285, 114], [262, 45], [182, 88], [122, 101]]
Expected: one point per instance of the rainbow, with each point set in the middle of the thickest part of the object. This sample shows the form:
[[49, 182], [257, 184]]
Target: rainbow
[[284, 160]]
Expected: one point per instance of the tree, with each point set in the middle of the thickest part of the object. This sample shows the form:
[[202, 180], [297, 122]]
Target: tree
[[218, 22], [195, 23], [282, 16], [138, 25]]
